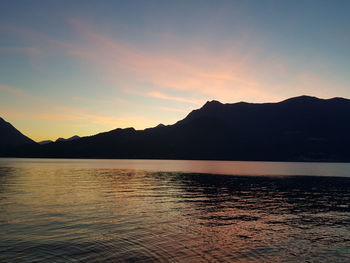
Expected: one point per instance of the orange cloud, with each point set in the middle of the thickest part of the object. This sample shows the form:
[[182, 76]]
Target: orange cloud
[[7, 112], [81, 114]]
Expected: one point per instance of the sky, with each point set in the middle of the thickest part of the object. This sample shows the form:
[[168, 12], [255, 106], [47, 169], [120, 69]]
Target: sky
[[83, 67]]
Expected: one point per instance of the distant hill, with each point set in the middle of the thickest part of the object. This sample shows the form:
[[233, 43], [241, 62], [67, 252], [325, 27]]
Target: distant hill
[[45, 142], [10, 137], [60, 140], [298, 129], [68, 139]]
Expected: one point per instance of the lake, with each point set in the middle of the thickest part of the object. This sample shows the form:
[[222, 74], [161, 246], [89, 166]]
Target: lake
[[60, 210]]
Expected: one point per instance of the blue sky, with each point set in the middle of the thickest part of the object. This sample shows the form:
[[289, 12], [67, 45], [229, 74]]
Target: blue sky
[[83, 67]]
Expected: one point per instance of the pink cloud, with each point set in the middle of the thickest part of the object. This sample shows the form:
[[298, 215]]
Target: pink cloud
[[13, 90], [175, 109], [31, 51], [226, 74], [159, 95], [223, 75]]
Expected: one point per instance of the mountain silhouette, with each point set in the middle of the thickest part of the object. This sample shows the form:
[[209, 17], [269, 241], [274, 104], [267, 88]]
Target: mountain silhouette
[[60, 140], [45, 142], [297, 129], [10, 137], [68, 139]]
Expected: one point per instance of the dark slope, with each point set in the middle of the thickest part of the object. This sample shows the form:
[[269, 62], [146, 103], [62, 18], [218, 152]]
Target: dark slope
[[182, 142], [302, 128], [10, 137]]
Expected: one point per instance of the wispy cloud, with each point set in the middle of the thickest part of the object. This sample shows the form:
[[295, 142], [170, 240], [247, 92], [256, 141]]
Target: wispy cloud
[[13, 91], [174, 109], [32, 51], [224, 75], [232, 73], [102, 101], [83, 114], [7, 112], [159, 95]]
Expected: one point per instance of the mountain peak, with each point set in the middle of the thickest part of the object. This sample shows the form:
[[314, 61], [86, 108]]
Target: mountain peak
[[305, 98], [339, 99], [212, 103], [302, 98]]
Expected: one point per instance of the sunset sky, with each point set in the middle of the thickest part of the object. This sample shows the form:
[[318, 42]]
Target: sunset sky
[[83, 67]]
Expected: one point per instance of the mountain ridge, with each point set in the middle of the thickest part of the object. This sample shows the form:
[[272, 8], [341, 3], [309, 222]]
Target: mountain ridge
[[302, 128]]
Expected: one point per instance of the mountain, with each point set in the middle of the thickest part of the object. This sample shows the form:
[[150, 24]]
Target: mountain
[[45, 142], [69, 139], [10, 137], [297, 129], [60, 140]]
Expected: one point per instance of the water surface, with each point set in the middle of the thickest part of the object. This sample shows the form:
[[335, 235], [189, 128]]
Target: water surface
[[173, 211]]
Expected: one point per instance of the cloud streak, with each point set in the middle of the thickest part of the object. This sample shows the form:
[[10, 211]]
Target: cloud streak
[[13, 91], [174, 109], [31, 51], [227, 74], [159, 95], [222, 75]]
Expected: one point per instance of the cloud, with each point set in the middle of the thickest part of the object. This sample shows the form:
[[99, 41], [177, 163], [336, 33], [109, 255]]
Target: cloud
[[31, 51], [159, 95], [88, 115], [13, 91], [102, 101], [223, 74], [175, 109], [243, 69], [7, 112]]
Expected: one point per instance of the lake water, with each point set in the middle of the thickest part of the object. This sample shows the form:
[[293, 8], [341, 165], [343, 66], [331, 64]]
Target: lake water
[[57, 210]]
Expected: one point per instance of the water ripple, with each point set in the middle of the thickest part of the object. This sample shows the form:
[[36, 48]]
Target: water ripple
[[56, 214]]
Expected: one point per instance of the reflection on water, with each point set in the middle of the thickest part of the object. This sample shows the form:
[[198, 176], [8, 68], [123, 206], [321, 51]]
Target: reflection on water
[[57, 212], [189, 166]]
